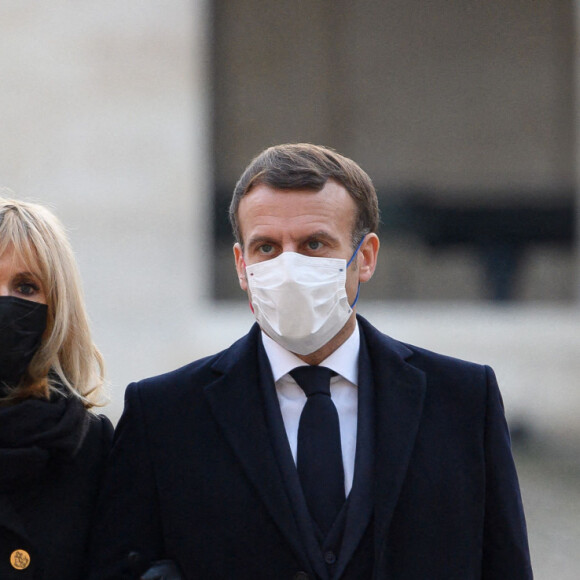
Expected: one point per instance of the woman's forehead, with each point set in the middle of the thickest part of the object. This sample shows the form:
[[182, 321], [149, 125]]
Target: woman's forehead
[[23, 255]]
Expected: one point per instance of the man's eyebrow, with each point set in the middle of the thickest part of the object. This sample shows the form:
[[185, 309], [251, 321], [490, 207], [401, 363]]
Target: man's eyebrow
[[260, 240], [321, 234]]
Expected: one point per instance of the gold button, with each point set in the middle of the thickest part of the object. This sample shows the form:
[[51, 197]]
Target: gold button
[[20, 559]]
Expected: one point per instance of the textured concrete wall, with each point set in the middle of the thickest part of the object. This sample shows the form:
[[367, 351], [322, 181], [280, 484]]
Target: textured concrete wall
[[455, 95], [467, 103]]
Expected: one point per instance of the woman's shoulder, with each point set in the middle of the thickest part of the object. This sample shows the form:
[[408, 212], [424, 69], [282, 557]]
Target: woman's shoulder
[[100, 431]]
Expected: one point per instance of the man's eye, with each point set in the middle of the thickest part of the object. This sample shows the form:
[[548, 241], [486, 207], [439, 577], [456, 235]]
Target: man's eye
[[314, 245], [265, 249]]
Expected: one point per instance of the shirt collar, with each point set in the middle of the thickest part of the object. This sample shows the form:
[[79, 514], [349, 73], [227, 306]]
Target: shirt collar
[[344, 360]]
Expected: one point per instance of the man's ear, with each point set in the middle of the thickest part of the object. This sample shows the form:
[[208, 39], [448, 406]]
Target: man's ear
[[368, 254], [240, 266]]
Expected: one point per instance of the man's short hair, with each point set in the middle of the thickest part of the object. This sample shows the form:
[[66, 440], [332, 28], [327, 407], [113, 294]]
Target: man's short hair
[[304, 166]]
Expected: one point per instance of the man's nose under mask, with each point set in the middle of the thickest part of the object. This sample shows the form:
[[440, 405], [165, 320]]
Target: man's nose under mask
[[300, 301]]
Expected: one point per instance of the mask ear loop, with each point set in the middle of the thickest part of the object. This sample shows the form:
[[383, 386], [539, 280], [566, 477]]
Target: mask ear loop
[[249, 300], [349, 263]]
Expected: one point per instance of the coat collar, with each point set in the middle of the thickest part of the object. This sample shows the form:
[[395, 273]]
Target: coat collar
[[360, 501], [399, 396], [236, 402]]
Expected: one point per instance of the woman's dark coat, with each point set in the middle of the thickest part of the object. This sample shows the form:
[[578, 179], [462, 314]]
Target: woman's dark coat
[[48, 487]]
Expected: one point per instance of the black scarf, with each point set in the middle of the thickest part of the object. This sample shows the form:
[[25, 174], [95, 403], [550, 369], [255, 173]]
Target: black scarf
[[36, 431]]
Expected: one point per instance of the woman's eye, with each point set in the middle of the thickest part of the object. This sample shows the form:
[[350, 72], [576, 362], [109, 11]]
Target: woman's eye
[[27, 289]]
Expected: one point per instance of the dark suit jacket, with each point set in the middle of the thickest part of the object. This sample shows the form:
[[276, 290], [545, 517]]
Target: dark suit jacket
[[194, 477]]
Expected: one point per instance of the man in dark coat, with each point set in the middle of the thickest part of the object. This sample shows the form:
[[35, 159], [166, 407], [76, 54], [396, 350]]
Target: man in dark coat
[[240, 466]]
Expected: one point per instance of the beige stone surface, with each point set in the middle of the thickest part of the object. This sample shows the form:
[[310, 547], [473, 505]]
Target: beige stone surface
[[104, 117]]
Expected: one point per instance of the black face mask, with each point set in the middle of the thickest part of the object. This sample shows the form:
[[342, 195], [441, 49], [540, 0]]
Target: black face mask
[[22, 323]]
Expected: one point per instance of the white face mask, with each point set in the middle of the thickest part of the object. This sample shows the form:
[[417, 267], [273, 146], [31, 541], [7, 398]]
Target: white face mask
[[300, 301]]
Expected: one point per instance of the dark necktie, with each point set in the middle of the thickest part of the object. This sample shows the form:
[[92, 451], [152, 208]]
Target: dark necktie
[[319, 455]]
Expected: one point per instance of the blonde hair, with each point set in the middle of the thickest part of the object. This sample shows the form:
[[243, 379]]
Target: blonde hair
[[67, 355]]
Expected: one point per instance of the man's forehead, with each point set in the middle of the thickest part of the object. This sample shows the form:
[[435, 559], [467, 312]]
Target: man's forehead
[[265, 207], [277, 197]]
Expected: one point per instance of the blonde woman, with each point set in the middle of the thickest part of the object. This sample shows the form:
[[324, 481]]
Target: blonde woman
[[52, 447]]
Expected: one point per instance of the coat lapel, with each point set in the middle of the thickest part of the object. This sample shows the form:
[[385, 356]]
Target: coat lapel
[[236, 402], [288, 470], [360, 500], [238, 407], [399, 396]]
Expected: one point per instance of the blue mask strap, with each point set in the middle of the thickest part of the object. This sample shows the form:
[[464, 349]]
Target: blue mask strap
[[349, 263], [356, 297], [355, 252]]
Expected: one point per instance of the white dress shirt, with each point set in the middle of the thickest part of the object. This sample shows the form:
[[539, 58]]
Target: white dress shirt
[[343, 390]]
